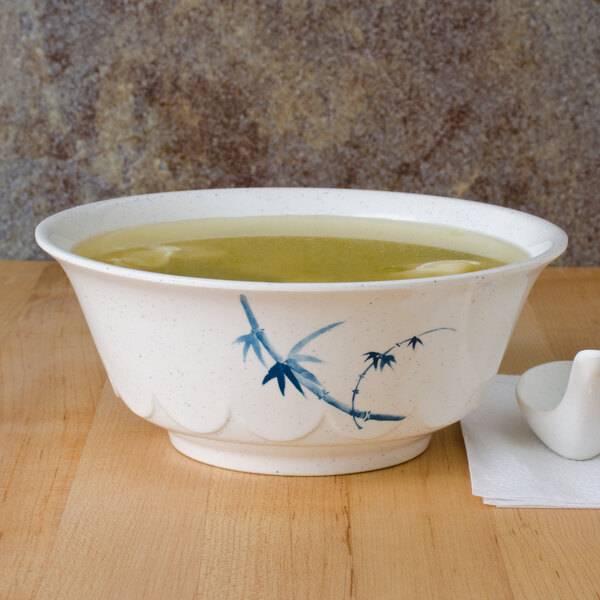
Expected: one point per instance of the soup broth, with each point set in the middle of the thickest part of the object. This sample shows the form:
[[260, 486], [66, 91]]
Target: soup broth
[[299, 249]]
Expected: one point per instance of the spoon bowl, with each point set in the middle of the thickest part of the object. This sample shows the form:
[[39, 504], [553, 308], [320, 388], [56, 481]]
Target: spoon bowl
[[561, 403]]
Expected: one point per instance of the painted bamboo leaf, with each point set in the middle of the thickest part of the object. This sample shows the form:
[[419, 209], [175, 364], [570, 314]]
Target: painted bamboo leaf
[[251, 341], [387, 360], [414, 341], [281, 371], [309, 338]]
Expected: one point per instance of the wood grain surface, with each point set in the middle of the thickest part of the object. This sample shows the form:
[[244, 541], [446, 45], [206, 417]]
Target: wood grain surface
[[96, 503]]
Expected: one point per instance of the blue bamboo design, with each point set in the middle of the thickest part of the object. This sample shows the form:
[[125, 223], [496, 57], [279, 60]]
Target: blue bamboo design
[[290, 369], [386, 358]]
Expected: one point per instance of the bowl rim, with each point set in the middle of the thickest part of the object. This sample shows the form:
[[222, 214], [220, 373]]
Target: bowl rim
[[556, 236]]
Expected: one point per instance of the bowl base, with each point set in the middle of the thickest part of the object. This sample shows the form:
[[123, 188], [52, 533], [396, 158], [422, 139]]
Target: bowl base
[[272, 459]]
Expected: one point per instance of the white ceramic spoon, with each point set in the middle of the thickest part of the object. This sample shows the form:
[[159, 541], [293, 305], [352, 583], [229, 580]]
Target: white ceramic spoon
[[561, 402]]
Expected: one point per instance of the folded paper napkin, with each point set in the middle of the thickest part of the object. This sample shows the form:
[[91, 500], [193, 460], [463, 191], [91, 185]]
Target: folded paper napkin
[[511, 467]]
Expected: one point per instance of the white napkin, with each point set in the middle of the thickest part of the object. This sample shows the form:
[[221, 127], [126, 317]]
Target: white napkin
[[511, 467]]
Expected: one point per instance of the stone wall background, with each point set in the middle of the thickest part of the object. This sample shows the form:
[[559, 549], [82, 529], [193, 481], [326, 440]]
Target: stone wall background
[[496, 101]]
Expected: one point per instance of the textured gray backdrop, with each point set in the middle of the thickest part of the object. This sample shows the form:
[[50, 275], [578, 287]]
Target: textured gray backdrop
[[495, 101]]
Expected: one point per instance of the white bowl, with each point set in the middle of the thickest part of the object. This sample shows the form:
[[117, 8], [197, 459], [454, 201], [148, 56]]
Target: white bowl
[[192, 355]]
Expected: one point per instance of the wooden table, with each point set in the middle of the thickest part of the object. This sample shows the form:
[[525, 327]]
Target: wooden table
[[97, 504]]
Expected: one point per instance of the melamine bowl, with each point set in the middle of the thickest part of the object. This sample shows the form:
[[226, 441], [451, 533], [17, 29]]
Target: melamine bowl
[[299, 378]]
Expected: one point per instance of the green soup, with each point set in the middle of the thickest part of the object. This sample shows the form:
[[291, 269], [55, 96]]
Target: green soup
[[313, 249]]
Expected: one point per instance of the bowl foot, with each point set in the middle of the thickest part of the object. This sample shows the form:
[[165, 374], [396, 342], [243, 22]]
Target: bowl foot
[[272, 459]]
